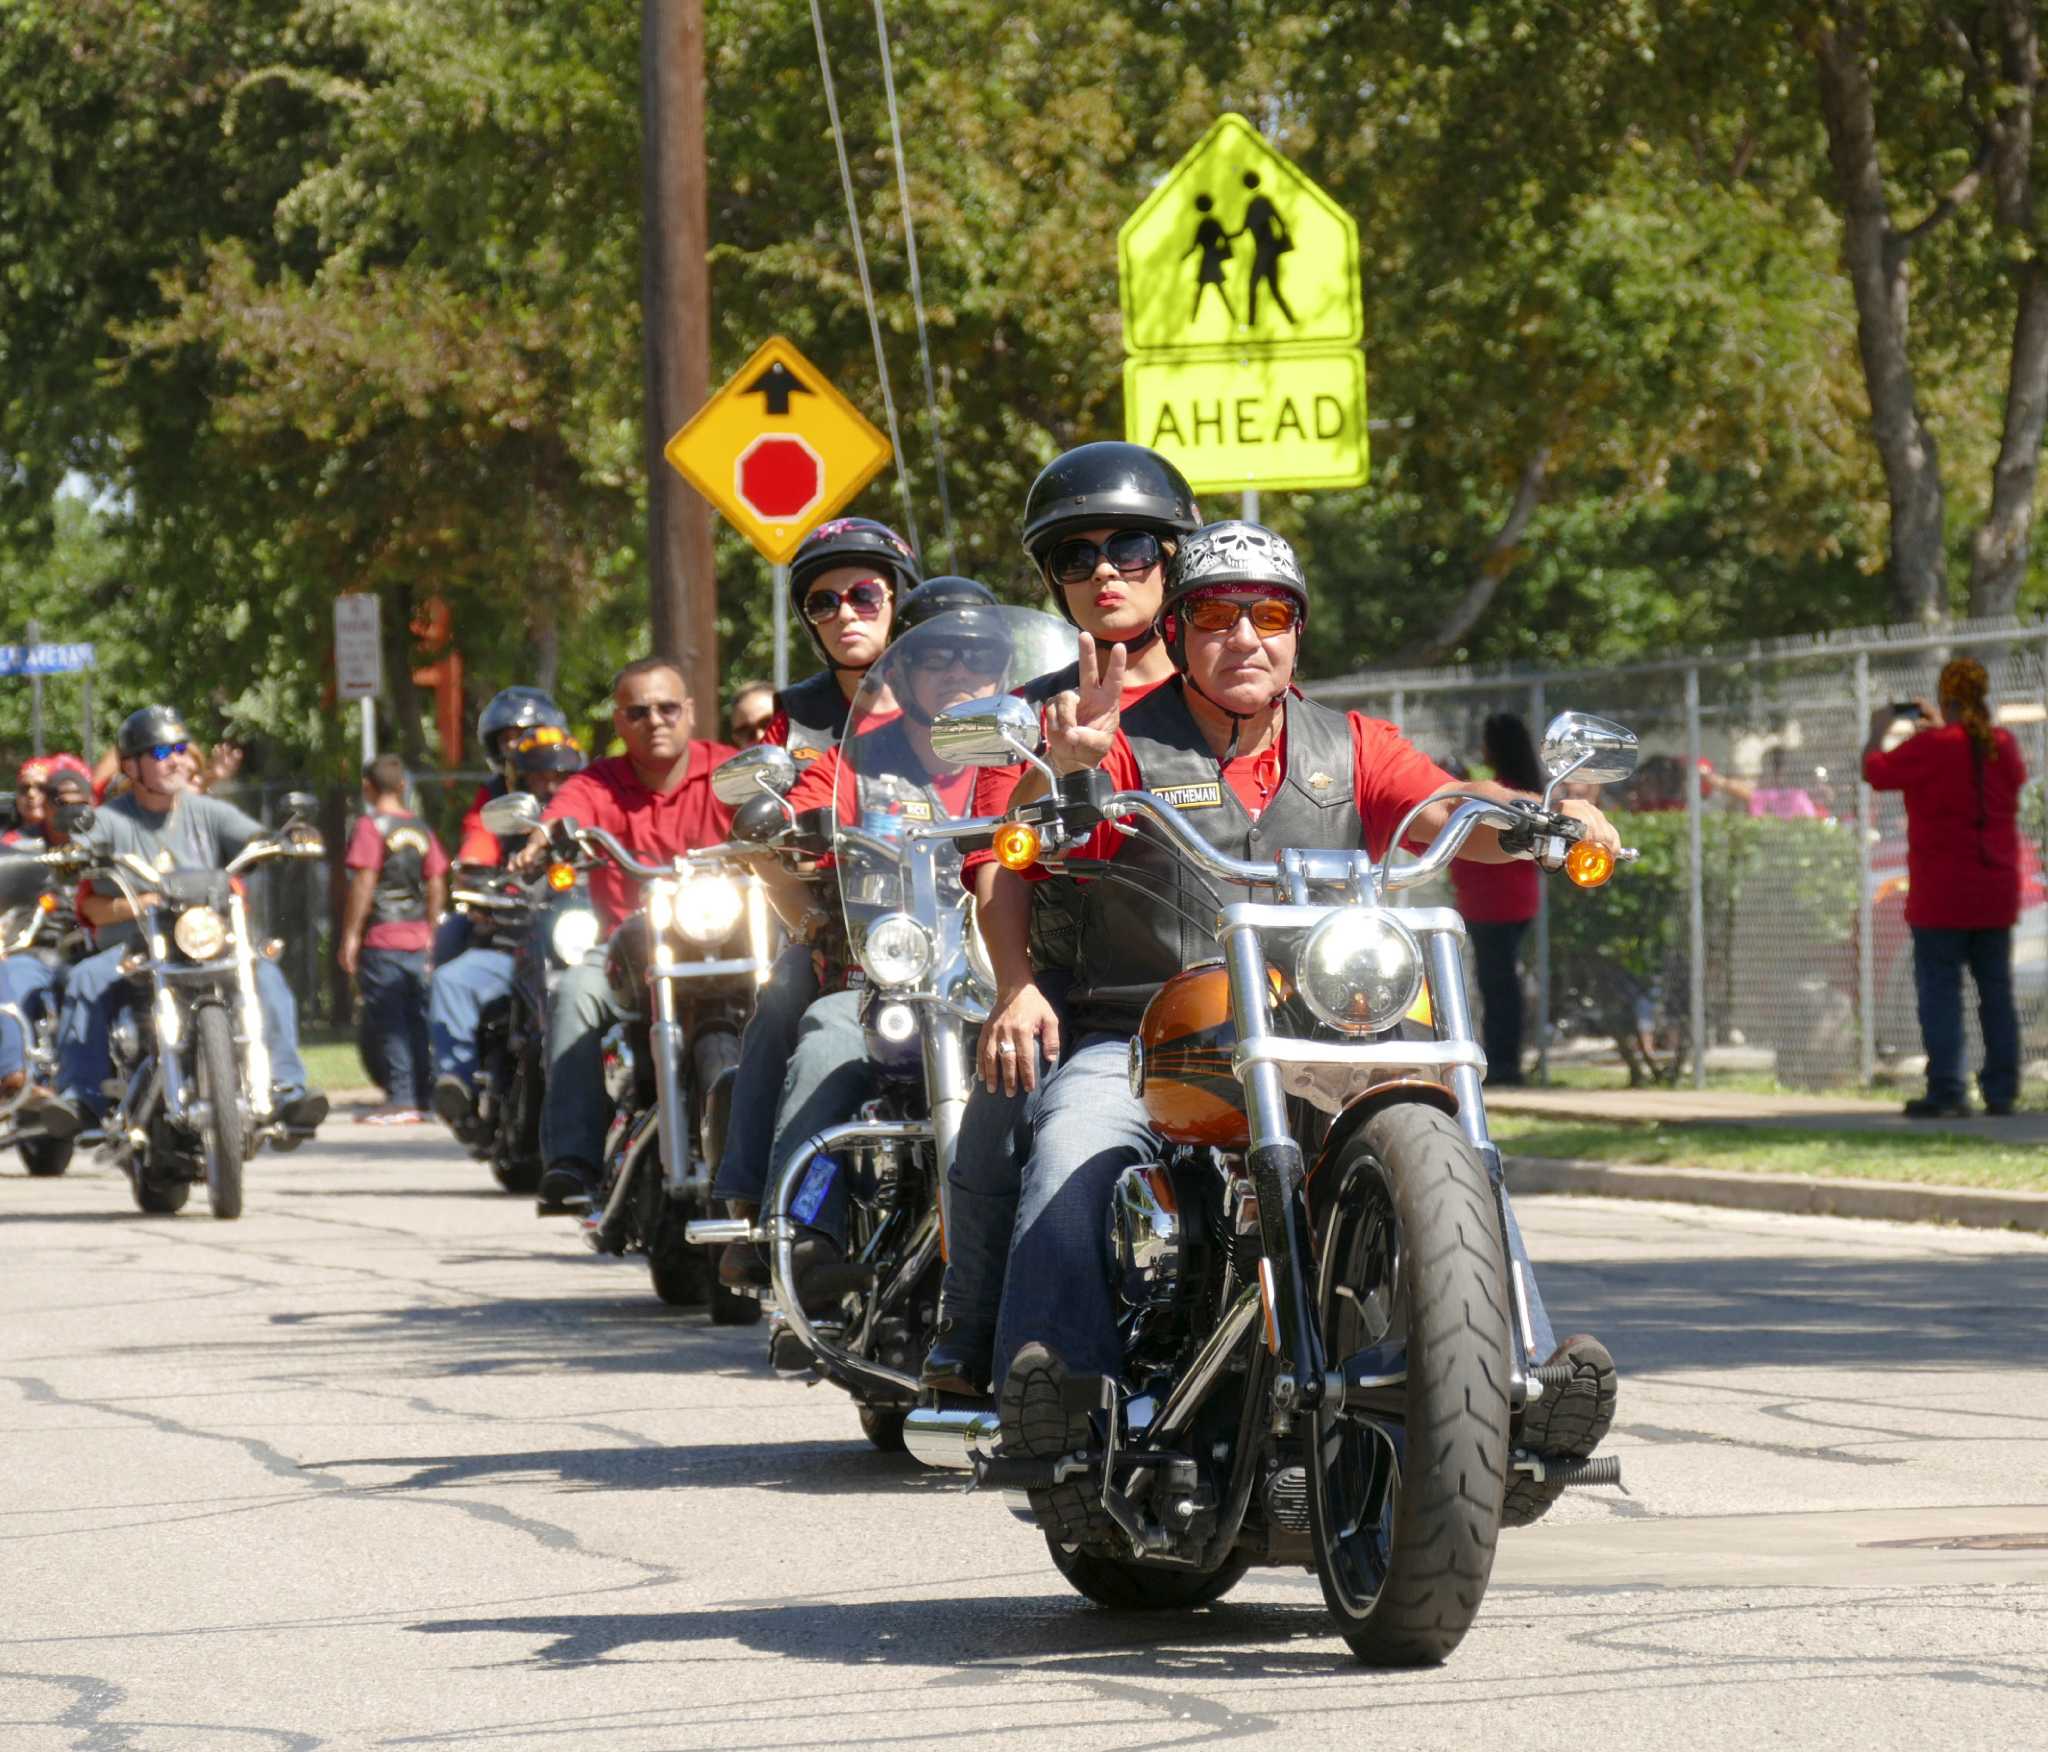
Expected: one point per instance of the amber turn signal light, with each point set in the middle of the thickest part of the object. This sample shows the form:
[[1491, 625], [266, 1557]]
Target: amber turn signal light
[[561, 877], [46, 902], [1588, 864], [1016, 846]]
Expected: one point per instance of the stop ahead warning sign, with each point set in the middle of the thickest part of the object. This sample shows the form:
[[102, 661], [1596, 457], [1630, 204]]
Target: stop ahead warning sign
[[778, 450]]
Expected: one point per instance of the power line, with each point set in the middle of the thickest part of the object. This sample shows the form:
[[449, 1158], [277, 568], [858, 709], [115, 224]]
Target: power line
[[924, 346], [860, 259]]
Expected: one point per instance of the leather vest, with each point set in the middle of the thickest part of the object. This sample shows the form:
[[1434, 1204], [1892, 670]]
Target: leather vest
[[1146, 915], [400, 897], [817, 717]]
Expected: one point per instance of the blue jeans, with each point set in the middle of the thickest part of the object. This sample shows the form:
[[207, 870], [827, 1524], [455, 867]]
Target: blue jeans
[[1086, 1128], [34, 987], [765, 1048], [574, 1110], [827, 1079], [1939, 957], [96, 995], [461, 990], [392, 984]]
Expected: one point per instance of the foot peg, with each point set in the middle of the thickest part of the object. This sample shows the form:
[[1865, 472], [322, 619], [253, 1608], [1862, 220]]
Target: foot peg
[[719, 1231], [1572, 1474]]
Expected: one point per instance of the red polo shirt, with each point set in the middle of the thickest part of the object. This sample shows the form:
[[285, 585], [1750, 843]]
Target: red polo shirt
[[1497, 894], [653, 825], [1962, 827]]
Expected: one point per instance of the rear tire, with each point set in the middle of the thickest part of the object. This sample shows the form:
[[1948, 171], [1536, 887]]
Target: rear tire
[[1126, 1586], [45, 1158], [220, 1086], [683, 1275], [883, 1426], [1404, 1537]]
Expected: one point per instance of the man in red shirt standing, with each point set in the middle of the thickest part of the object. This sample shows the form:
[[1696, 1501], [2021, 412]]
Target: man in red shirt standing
[[398, 886], [1962, 778], [656, 801]]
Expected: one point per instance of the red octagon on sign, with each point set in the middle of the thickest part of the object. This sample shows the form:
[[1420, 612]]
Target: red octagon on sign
[[779, 477]]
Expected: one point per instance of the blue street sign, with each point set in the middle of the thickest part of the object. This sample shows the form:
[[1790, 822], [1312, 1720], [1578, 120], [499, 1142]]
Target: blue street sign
[[45, 659]]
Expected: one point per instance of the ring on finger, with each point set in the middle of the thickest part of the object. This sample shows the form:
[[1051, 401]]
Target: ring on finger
[[1008, 1048]]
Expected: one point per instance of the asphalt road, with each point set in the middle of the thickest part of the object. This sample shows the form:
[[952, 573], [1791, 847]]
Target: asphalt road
[[389, 1463]]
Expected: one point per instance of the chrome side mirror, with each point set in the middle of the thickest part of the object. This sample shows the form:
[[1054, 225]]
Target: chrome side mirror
[[764, 767], [301, 803], [759, 819], [996, 731], [516, 812], [1594, 751]]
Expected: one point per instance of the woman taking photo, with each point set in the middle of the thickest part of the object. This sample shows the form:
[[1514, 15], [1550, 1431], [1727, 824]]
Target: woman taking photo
[[1498, 901], [1961, 777]]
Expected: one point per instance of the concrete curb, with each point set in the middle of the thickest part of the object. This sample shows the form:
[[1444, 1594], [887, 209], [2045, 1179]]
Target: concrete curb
[[1886, 1200]]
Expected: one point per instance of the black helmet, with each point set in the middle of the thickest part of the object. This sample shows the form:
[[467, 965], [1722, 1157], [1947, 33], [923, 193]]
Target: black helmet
[[515, 708], [546, 749], [1106, 485], [145, 729], [973, 618]]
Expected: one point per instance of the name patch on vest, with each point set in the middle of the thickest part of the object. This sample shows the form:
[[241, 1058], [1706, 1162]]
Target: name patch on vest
[[1209, 796], [408, 839], [912, 809]]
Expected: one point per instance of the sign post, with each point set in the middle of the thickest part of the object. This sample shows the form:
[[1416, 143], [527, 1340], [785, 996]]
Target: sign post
[[359, 660], [778, 450], [1243, 319]]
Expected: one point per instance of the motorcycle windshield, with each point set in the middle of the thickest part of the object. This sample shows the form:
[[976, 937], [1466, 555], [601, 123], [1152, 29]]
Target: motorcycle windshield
[[888, 779]]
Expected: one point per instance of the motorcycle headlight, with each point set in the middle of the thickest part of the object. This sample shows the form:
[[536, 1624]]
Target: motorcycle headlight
[[1360, 970], [898, 950], [200, 933], [708, 908], [573, 935]]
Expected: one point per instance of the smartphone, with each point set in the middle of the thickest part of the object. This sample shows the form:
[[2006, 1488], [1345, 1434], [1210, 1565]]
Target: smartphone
[[1907, 709]]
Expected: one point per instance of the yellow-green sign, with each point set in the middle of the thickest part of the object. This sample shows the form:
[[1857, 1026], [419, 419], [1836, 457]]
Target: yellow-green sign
[[1237, 247], [1268, 420]]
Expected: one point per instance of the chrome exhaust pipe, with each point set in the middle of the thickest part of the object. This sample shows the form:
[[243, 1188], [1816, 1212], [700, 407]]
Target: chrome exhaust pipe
[[949, 1440]]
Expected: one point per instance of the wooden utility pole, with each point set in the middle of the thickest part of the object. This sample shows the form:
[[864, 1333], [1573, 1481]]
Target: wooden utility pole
[[676, 311]]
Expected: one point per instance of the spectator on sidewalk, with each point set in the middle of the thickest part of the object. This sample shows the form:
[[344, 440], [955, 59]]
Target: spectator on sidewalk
[[1961, 777], [1498, 901], [399, 886], [1773, 794]]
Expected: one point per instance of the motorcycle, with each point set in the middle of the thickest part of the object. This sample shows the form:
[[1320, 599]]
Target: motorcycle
[[925, 991], [191, 1096], [37, 920], [548, 924], [1325, 1350], [683, 969]]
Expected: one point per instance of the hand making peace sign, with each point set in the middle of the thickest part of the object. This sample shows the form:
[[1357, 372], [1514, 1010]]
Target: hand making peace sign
[[1080, 725]]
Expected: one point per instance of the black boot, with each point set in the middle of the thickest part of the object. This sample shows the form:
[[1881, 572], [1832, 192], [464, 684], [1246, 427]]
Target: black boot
[[1567, 1423], [961, 1359]]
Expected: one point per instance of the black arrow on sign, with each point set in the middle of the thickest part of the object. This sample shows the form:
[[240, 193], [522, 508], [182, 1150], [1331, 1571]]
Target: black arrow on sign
[[776, 385]]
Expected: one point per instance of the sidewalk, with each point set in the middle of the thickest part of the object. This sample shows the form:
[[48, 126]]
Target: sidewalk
[[1826, 1113]]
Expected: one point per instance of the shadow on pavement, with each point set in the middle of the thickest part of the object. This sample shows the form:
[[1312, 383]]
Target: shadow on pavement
[[1786, 1311]]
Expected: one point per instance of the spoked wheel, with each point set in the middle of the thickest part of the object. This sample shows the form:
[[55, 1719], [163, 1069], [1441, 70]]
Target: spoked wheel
[[220, 1086], [1126, 1586], [1405, 1486]]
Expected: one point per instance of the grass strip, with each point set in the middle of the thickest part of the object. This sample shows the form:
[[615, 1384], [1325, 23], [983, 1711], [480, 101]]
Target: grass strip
[[1931, 1158]]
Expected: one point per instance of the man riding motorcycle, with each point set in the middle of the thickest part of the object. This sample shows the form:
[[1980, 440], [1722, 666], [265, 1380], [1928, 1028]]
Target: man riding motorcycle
[[162, 820], [543, 758], [844, 585], [32, 979], [1100, 524], [1254, 768], [656, 800], [506, 718], [827, 1074]]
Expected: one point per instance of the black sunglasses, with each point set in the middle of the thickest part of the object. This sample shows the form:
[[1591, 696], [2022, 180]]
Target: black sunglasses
[[975, 659], [866, 600], [1130, 551], [668, 711]]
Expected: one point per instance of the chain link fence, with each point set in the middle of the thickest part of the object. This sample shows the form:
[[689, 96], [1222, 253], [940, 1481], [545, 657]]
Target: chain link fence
[[1763, 928]]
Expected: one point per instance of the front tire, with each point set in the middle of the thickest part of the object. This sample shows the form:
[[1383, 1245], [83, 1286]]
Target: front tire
[[1405, 1508], [159, 1198], [45, 1158], [1125, 1586], [220, 1085]]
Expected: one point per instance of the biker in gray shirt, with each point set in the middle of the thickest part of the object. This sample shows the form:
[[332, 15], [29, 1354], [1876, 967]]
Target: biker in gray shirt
[[166, 823]]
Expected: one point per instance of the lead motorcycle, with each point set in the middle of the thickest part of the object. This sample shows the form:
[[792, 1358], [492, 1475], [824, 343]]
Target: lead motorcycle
[[191, 1098], [683, 969], [1325, 1351], [925, 991]]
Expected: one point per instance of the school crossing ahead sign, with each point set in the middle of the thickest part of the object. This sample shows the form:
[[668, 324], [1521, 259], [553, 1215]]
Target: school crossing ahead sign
[[1243, 317]]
